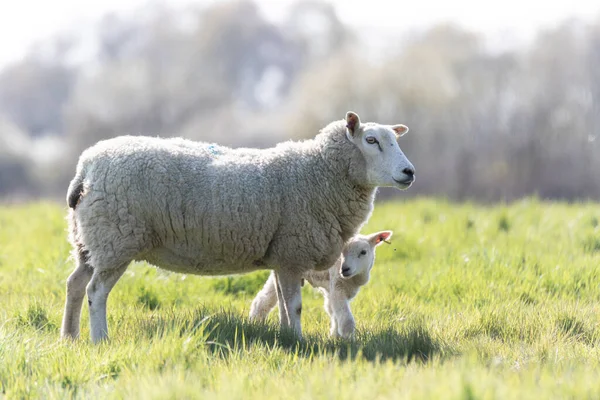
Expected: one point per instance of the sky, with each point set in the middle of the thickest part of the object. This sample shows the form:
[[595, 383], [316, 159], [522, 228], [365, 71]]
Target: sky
[[26, 22]]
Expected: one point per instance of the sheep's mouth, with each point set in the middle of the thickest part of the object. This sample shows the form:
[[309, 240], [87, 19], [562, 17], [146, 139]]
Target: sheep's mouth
[[404, 183]]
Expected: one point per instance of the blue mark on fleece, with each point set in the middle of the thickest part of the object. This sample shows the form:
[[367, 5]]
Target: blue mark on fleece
[[212, 149]]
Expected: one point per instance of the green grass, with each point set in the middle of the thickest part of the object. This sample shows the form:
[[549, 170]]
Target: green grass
[[467, 302]]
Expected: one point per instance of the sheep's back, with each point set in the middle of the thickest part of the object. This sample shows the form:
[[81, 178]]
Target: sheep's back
[[200, 207]]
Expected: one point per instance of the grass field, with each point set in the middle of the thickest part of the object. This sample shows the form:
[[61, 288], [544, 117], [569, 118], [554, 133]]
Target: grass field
[[467, 302]]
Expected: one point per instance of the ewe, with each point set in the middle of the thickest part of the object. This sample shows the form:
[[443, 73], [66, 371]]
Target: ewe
[[210, 210], [339, 284]]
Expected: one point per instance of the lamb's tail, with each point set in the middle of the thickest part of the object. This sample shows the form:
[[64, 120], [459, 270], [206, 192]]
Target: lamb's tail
[[75, 190]]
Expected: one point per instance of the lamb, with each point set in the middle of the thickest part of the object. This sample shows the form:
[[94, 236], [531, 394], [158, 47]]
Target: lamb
[[338, 284], [204, 209]]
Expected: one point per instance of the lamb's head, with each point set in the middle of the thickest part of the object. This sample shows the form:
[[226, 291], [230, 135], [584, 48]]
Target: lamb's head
[[358, 255], [386, 164]]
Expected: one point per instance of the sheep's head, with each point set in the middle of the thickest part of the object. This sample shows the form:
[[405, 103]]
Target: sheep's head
[[386, 164], [358, 255]]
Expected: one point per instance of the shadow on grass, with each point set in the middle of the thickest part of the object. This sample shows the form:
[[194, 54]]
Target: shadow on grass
[[225, 332]]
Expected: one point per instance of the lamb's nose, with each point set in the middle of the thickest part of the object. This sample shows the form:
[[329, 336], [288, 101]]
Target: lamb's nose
[[345, 270], [409, 171]]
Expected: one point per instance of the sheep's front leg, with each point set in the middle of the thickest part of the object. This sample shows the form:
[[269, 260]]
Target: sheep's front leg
[[97, 291], [289, 297], [343, 316], [265, 300]]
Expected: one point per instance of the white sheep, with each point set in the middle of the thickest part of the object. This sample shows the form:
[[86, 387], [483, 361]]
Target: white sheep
[[338, 284], [210, 210]]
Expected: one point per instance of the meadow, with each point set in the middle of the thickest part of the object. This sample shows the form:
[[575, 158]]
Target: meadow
[[468, 301]]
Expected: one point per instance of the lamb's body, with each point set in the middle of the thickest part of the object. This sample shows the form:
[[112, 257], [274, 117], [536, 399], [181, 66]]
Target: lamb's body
[[339, 284], [337, 294], [204, 209]]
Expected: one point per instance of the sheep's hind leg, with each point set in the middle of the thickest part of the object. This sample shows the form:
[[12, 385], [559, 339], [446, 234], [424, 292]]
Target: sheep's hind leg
[[289, 296], [76, 284], [97, 290], [265, 300]]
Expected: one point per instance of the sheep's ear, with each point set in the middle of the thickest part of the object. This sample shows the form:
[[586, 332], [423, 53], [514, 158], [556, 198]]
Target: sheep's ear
[[352, 122], [377, 238], [400, 129]]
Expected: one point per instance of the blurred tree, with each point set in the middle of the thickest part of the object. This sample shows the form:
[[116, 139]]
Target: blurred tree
[[159, 78], [316, 25], [15, 165], [484, 125], [33, 92]]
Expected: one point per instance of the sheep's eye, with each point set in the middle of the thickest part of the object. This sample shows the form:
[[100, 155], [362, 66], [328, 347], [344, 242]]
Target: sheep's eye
[[371, 140], [364, 252]]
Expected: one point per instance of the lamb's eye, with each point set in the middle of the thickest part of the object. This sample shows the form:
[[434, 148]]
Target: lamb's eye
[[371, 140], [363, 253]]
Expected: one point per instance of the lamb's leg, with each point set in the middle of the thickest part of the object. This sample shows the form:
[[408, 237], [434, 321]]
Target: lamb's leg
[[343, 316], [265, 300], [333, 331], [76, 284], [289, 297], [97, 290]]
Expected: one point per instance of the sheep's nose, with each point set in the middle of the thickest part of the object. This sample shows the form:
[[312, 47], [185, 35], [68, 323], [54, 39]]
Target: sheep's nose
[[409, 171], [345, 271]]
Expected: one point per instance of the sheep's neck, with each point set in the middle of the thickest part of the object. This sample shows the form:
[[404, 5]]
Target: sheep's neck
[[350, 202]]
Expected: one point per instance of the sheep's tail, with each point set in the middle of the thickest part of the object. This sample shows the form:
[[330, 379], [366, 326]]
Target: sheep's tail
[[75, 190]]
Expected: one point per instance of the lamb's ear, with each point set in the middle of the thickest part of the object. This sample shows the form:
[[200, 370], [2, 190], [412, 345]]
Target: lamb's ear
[[379, 237], [352, 123], [400, 129]]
